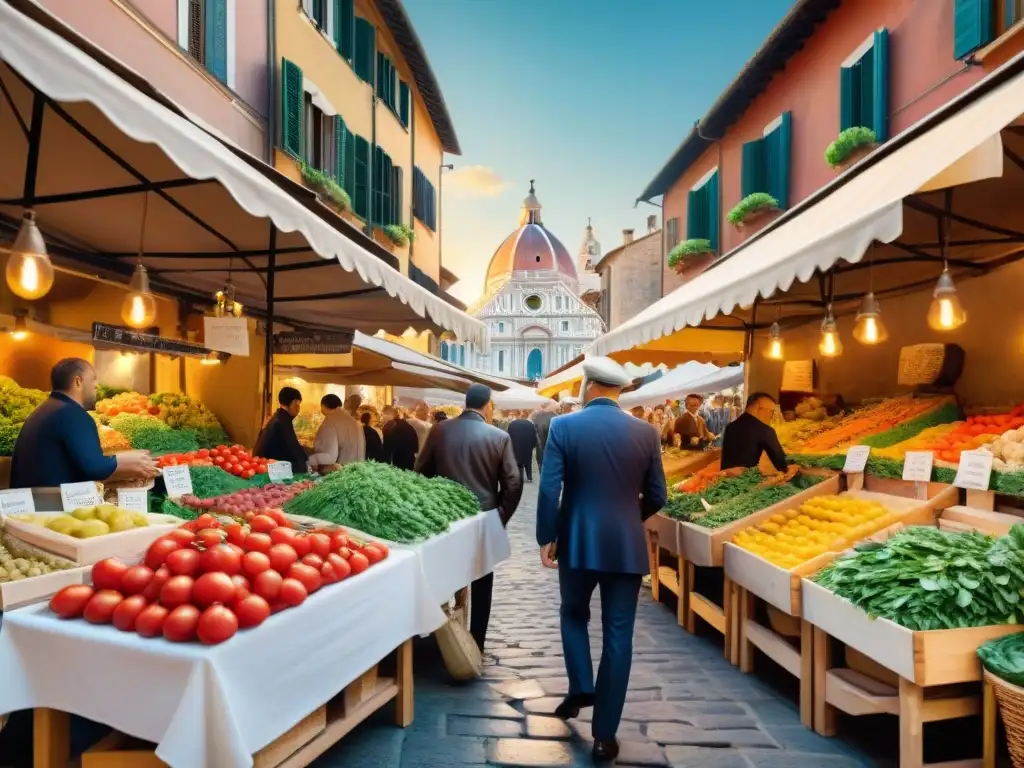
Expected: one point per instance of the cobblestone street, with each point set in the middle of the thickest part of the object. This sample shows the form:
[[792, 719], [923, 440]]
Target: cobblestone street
[[686, 705]]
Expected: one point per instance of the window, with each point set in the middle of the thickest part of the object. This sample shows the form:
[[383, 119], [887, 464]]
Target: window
[[196, 44], [864, 87], [501, 327], [292, 108], [424, 200], [344, 27], [444, 350], [702, 217], [533, 302], [318, 145], [397, 212], [404, 95], [501, 360], [766, 162], [317, 10], [462, 355], [206, 32], [671, 233], [365, 50], [361, 181], [558, 302], [383, 177], [978, 22], [386, 82], [565, 326]]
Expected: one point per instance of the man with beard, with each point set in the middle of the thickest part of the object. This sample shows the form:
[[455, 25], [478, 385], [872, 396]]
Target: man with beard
[[59, 443]]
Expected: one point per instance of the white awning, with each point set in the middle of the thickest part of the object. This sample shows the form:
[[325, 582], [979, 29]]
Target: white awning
[[205, 204], [668, 386], [516, 397], [957, 144]]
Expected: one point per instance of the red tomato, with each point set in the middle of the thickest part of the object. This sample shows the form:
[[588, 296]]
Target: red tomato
[[213, 588], [242, 590], [281, 535], [382, 547], [159, 550], [107, 574], [183, 562], [152, 590], [359, 562], [281, 557], [180, 624], [327, 574], [262, 524], [237, 448], [341, 567], [373, 554], [150, 621], [301, 545], [236, 533], [216, 624], [127, 612], [182, 535], [218, 460], [206, 520], [339, 539], [261, 469], [257, 542], [293, 592], [203, 453], [136, 579], [71, 601], [313, 561], [308, 575], [177, 591], [254, 563], [100, 607], [345, 552], [251, 611], [268, 585], [279, 517], [319, 544], [210, 537], [222, 558], [235, 468]]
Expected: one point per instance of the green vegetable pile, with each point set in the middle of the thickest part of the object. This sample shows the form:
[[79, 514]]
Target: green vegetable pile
[[389, 503], [944, 414], [211, 437], [683, 506], [889, 468], [1004, 657], [924, 579], [151, 434], [754, 501], [208, 482]]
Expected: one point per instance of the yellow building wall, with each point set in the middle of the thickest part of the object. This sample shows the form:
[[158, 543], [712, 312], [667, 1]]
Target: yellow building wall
[[429, 156]]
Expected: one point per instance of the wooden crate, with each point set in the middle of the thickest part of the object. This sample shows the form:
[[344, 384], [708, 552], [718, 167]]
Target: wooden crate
[[15, 594], [361, 689], [688, 462], [129, 545], [663, 553], [288, 743]]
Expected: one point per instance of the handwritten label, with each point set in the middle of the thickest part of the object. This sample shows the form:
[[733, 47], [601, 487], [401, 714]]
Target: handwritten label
[[76, 495], [134, 499], [920, 364], [856, 458], [798, 376], [17, 501], [227, 334], [178, 481], [917, 466], [974, 470], [279, 471]]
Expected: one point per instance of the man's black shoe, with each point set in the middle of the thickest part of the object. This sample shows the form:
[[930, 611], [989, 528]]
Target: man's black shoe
[[571, 705], [605, 750]]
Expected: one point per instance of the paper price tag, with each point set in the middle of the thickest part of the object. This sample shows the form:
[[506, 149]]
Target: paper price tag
[[178, 481], [917, 466], [279, 471], [974, 470], [134, 499], [75, 495], [856, 458], [17, 501], [227, 334]]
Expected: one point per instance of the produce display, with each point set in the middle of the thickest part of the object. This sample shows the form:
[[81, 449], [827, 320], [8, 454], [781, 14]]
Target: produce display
[[150, 433], [713, 489], [306, 426], [944, 414], [213, 576], [760, 498], [125, 402], [1004, 657], [112, 441], [812, 409], [16, 404], [866, 421], [19, 560], [925, 579], [237, 503], [819, 525], [233, 459], [733, 497], [1008, 450], [702, 478], [799, 430], [386, 502], [88, 522]]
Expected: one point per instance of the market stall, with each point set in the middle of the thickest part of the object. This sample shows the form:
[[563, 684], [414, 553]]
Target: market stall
[[516, 397], [674, 385]]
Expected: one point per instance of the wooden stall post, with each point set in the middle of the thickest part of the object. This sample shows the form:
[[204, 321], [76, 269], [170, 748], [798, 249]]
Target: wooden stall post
[[746, 647], [989, 719], [654, 552], [821, 659], [403, 675], [807, 677], [911, 724], [268, 346], [51, 738]]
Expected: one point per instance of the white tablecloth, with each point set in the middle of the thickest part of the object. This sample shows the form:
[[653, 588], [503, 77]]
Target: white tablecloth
[[215, 706]]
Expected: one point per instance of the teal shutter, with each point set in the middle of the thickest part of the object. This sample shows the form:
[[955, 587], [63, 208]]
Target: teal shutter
[[340, 146], [365, 49], [693, 217], [215, 26], [362, 168], [397, 214], [403, 103], [972, 25], [711, 210], [1009, 14], [350, 165], [846, 100], [865, 79], [386, 202], [880, 85], [752, 174], [381, 77], [344, 27], [375, 204], [291, 108], [777, 149]]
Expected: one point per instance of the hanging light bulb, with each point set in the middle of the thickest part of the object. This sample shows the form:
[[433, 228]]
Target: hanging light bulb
[[210, 359], [830, 345], [946, 313], [20, 332], [29, 269], [774, 349], [226, 304], [138, 309], [870, 329]]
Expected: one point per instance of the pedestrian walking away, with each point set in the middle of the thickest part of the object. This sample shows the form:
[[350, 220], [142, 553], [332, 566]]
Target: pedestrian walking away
[[602, 478], [524, 439], [477, 455]]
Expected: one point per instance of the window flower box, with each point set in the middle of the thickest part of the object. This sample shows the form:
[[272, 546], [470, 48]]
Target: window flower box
[[850, 147], [691, 257], [752, 209]]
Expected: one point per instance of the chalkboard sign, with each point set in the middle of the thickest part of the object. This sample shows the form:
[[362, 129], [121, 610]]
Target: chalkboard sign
[[127, 337], [313, 342]]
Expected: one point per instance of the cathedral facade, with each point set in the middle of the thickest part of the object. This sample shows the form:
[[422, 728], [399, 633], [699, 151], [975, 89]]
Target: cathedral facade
[[535, 302]]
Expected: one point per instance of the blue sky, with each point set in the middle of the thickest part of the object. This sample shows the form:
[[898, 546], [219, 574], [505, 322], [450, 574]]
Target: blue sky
[[587, 96]]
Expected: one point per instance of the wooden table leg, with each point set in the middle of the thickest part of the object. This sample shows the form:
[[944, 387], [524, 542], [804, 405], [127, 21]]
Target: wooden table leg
[[911, 725], [989, 716], [746, 648], [685, 585], [734, 622], [51, 738], [727, 616], [807, 674], [821, 660], [690, 583], [654, 554], [403, 675]]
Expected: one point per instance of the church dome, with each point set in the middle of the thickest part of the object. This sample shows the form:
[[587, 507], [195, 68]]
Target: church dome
[[531, 248]]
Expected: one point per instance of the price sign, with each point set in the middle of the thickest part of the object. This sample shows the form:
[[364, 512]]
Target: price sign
[[134, 499], [178, 481], [17, 501], [974, 470], [227, 334], [76, 495], [279, 471], [856, 459], [917, 466]]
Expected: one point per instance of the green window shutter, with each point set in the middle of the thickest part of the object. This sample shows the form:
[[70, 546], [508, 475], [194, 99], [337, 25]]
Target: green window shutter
[[215, 26], [340, 147], [711, 210], [865, 89], [381, 79], [693, 217], [375, 204], [344, 27], [365, 49], [752, 173], [403, 103], [361, 203], [972, 26], [291, 108], [880, 85], [777, 150], [1009, 14], [397, 194], [350, 165], [387, 203], [846, 99]]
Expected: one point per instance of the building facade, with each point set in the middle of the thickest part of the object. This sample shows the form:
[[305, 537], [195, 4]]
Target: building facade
[[630, 276], [828, 66]]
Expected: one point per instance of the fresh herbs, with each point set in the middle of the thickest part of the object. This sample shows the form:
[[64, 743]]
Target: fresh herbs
[[747, 504], [1004, 657], [683, 506], [944, 414]]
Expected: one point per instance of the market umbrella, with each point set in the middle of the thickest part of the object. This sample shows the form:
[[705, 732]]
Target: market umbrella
[[674, 384]]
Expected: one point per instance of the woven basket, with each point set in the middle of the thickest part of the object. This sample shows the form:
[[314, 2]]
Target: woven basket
[[462, 657], [1011, 707]]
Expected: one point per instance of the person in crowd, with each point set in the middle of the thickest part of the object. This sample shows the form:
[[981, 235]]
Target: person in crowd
[[420, 421], [340, 440], [751, 435], [637, 411], [478, 455], [277, 439], [716, 414], [372, 439], [524, 441], [602, 478], [59, 442], [352, 403], [542, 421], [690, 426], [401, 443], [438, 416]]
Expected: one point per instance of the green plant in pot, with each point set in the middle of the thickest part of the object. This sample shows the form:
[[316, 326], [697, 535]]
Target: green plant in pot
[[690, 253], [400, 234], [331, 192], [850, 146], [750, 207]]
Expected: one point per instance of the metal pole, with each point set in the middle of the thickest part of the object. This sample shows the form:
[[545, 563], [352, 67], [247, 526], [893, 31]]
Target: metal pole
[[268, 346], [34, 140]]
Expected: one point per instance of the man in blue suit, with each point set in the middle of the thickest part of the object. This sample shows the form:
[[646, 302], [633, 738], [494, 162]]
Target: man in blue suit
[[601, 479]]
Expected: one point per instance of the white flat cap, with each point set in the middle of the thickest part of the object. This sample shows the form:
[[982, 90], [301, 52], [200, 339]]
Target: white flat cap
[[606, 371]]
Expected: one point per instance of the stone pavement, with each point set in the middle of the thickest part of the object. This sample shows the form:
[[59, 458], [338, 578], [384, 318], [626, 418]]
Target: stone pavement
[[686, 707]]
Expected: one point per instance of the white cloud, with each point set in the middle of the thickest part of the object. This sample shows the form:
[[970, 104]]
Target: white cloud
[[475, 181]]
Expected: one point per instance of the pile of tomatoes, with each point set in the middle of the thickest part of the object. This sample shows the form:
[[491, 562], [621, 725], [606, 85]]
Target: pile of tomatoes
[[210, 577], [231, 458]]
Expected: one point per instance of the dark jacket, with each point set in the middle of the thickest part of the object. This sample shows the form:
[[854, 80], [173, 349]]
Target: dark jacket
[[471, 452], [401, 443], [601, 479], [542, 420], [746, 439], [524, 440], [374, 444], [277, 441]]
